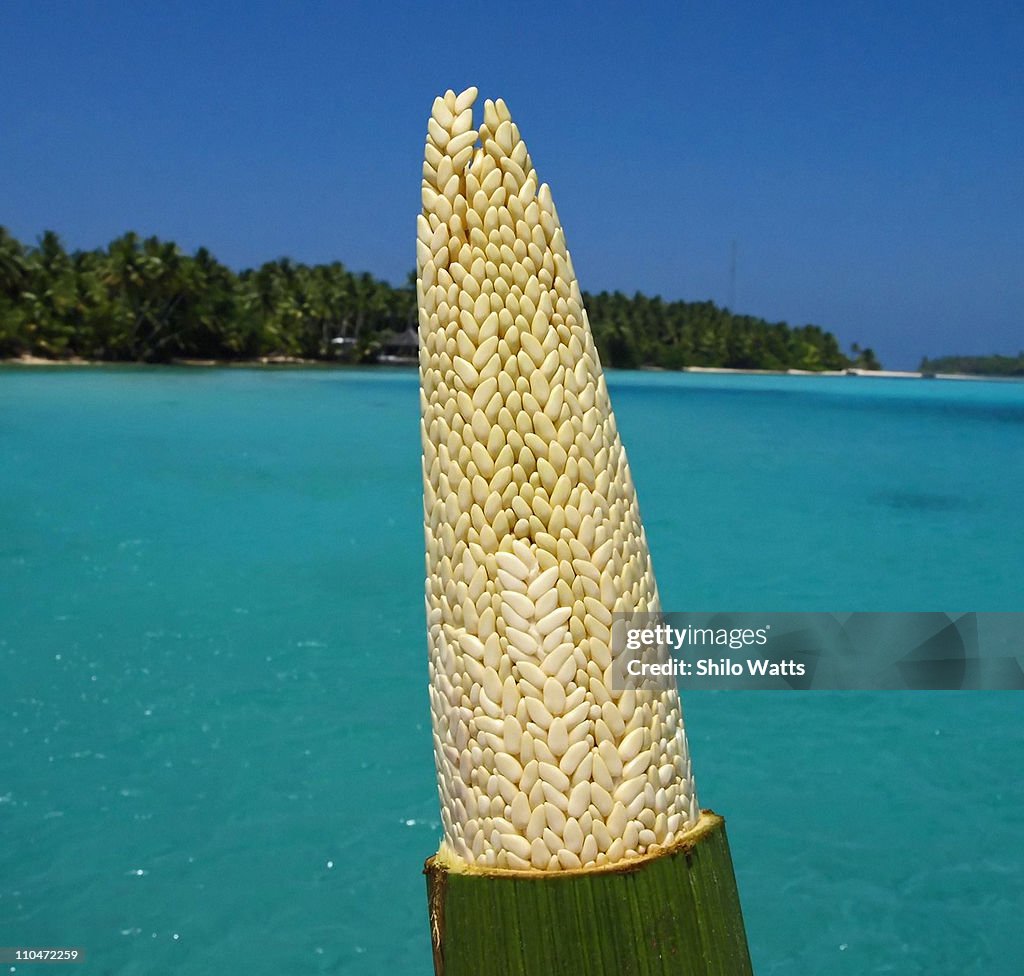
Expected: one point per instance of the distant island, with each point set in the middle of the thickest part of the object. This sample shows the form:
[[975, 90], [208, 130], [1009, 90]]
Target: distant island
[[975, 365], [145, 300]]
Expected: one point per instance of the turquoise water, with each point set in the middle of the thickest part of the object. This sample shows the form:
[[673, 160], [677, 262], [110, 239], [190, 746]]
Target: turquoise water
[[214, 746]]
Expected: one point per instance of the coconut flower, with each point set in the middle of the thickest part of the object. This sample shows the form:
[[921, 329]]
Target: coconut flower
[[533, 532]]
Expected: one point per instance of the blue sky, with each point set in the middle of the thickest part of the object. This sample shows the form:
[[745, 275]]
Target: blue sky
[[866, 158]]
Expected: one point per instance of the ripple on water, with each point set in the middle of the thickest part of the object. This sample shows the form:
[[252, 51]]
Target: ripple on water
[[923, 501]]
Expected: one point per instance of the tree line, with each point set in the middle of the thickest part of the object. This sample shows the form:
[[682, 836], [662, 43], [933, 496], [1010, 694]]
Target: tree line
[[145, 300], [975, 365]]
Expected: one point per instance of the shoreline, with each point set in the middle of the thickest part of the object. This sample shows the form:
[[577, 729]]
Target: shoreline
[[851, 371], [884, 374], [293, 361], [192, 363]]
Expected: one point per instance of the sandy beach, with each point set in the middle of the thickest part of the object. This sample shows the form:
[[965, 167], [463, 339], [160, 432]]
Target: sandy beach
[[320, 363], [78, 361], [876, 373]]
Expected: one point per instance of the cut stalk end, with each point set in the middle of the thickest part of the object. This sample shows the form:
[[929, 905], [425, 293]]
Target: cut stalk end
[[676, 911]]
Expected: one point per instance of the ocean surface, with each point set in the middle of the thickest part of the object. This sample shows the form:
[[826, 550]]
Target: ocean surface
[[214, 739]]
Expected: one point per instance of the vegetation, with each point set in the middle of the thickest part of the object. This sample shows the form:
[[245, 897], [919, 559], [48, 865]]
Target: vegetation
[[976, 365], [144, 300], [641, 331]]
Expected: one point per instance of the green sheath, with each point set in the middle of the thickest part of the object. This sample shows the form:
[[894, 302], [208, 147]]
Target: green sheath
[[677, 913]]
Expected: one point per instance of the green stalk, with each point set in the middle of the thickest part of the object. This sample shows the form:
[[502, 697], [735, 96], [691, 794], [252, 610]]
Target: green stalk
[[676, 912]]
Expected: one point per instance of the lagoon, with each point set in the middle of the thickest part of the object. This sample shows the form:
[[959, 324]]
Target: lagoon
[[214, 748]]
